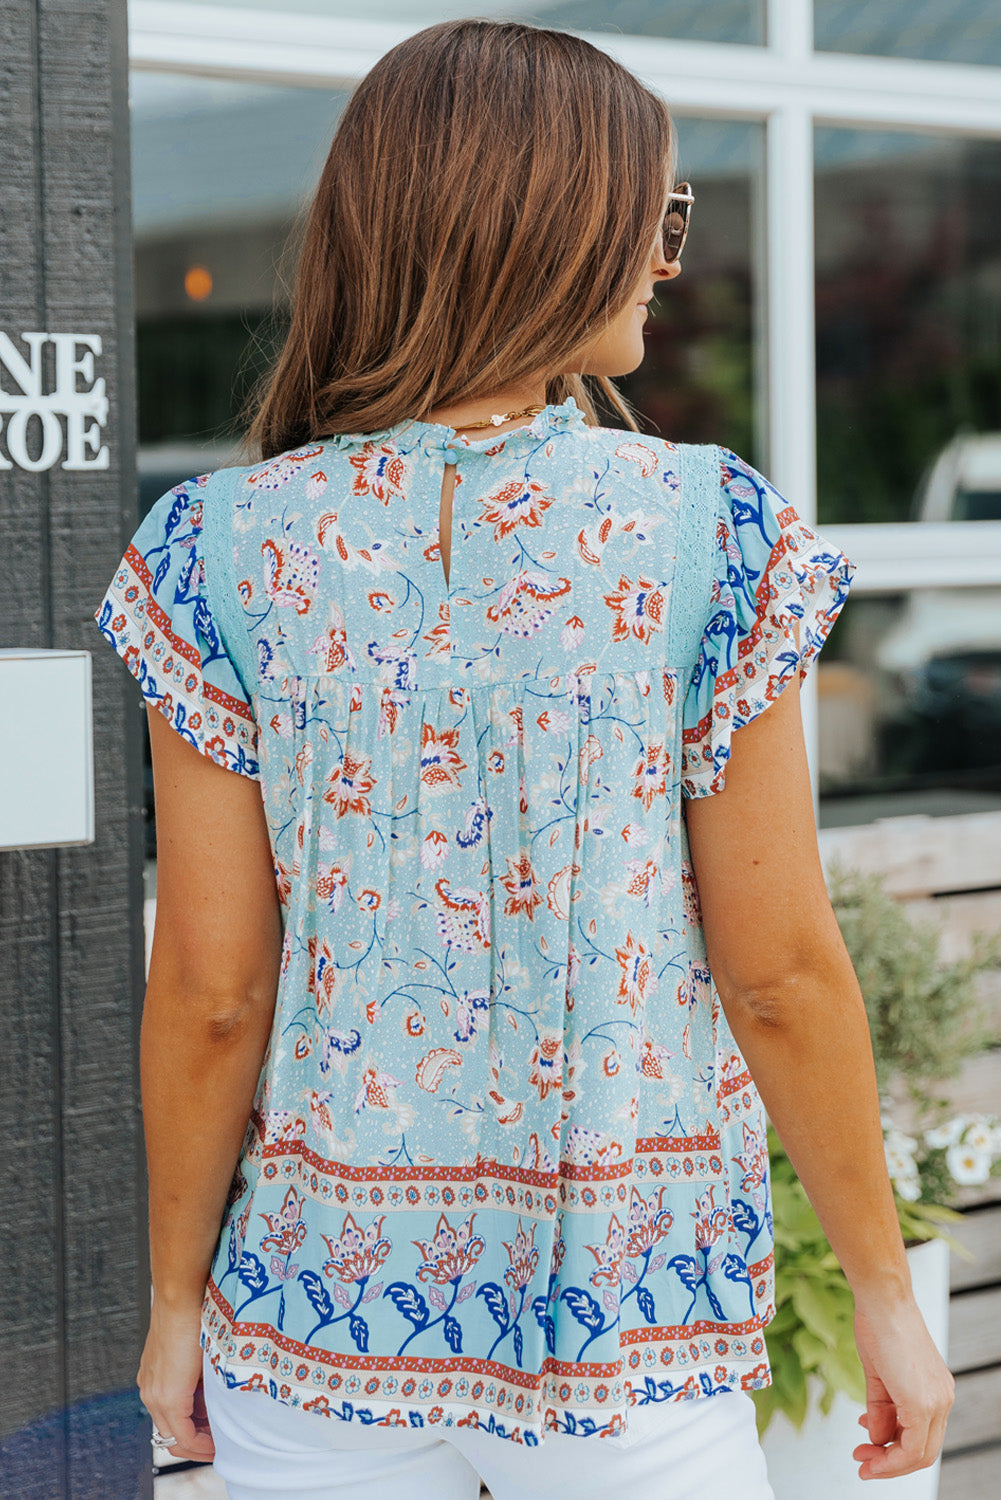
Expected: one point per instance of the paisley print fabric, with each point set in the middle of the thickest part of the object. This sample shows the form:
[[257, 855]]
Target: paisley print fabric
[[772, 572], [506, 1165], [157, 616]]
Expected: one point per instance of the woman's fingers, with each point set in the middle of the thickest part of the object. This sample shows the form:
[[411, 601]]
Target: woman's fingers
[[199, 1412], [894, 1460], [881, 1418], [174, 1418], [914, 1444]]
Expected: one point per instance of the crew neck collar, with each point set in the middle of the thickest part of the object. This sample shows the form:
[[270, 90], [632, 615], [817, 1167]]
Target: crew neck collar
[[552, 418]]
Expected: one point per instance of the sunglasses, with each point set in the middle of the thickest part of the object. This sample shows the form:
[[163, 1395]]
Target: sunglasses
[[677, 220]]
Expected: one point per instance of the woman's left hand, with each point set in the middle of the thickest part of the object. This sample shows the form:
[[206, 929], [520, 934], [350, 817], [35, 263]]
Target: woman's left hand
[[170, 1381]]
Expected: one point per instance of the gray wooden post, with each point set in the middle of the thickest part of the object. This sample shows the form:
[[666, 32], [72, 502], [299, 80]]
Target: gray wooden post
[[74, 1286]]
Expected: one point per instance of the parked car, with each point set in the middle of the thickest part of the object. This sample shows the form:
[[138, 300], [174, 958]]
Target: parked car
[[944, 650], [963, 481]]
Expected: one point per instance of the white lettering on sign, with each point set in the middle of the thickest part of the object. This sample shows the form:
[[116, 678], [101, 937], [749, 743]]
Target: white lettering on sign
[[75, 396]]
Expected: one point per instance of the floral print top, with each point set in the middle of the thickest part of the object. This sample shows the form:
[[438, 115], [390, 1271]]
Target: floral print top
[[506, 1165]]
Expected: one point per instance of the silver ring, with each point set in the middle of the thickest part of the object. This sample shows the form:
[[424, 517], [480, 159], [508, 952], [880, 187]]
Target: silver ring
[[159, 1441]]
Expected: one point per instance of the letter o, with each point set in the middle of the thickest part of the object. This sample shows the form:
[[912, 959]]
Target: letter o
[[17, 438]]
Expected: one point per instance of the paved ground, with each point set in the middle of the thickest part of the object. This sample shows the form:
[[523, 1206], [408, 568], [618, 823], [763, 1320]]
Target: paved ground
[[192, 1484]]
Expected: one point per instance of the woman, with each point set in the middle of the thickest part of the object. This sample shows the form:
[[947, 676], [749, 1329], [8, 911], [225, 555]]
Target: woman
[[469, 1087]]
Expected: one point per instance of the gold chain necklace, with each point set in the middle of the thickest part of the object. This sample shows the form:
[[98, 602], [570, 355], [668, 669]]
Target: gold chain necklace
[[506, 416]]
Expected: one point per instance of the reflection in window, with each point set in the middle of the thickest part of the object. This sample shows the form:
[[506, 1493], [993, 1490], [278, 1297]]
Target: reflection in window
[[699, 382], [687, 20], [219, 171], [909, 704], [964, 31], [908, 325]]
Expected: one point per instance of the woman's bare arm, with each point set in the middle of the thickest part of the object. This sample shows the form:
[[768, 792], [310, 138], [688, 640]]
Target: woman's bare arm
[[794, 1006], [209, 1004]]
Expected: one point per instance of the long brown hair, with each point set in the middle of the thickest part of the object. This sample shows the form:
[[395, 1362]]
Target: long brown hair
[[488, 203]]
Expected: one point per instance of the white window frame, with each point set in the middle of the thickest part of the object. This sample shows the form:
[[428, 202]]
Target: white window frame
[[785, 85]]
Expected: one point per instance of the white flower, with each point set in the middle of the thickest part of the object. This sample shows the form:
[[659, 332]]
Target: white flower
[[896, 1140], [899, 1163], [908, 1187], [968, 1167], [900, 1155], [979, 1136], [947, 1134]]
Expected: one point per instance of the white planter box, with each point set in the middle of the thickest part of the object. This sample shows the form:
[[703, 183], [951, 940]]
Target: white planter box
[[816, 1460]]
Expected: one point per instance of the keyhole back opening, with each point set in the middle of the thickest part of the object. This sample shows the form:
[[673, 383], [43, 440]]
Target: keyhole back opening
[[445, 518]]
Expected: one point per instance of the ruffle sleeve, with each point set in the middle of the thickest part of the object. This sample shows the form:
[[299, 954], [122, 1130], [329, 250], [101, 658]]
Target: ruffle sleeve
[[158, 616], [770, 569]]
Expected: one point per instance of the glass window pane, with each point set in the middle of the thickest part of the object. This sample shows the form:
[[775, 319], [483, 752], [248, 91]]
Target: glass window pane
[[702, 378], [692, 20], [219, 171], [908, 316], [908, 322], [687, 20], [909, 705], [966, 31]]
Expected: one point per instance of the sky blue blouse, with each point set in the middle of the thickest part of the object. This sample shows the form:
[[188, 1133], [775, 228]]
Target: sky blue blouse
[[506, 1165]]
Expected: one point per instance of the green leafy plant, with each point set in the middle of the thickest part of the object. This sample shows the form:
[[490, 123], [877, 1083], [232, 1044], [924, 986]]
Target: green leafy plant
[[925, 1019]]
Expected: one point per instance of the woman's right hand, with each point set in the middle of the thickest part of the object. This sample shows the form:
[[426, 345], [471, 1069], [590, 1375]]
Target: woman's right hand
[[909, 1389]]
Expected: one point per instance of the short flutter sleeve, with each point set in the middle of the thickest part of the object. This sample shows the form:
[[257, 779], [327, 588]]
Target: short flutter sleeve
[[771, 569], [158, 616]]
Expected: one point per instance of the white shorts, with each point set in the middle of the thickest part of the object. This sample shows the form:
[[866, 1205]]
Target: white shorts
[[684, 1450]]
